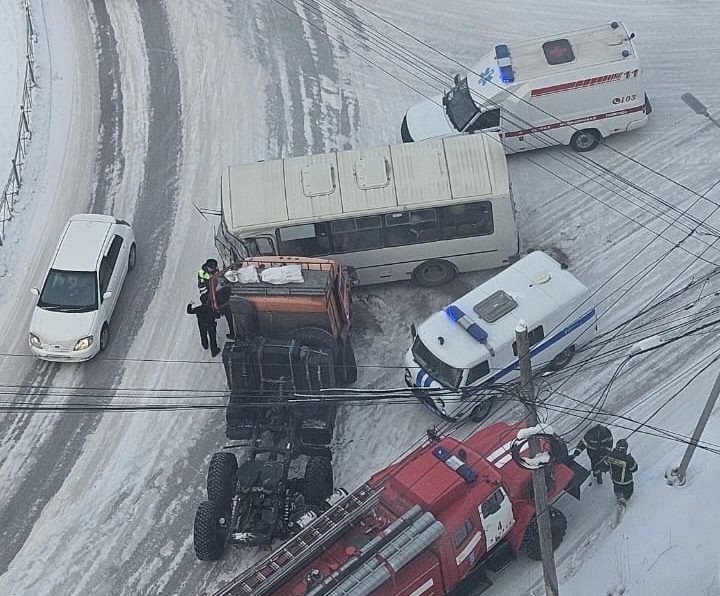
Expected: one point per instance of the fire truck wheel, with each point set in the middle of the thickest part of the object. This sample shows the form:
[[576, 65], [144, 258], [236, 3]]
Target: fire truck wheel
[[562, 359], [435, 272], [222, 479], [531, 540], [209, 532], [349, 364], [585, 140], [318, 480]]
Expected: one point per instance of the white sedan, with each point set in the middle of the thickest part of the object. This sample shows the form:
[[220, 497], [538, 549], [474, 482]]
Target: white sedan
[[71, 321]]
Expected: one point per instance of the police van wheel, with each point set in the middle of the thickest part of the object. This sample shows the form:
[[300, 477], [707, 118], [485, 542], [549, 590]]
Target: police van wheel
[[562, 359], [585, 140], [481, 411], [434, 272]]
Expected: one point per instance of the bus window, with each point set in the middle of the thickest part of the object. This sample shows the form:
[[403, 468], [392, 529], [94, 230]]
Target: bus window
[[461, 221], [411, 227], [359, 233], [308, 240]]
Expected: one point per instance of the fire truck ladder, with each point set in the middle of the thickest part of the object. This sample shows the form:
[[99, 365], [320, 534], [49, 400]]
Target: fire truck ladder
[[276, 568]]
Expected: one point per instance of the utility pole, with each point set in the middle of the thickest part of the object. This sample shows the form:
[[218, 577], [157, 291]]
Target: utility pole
[[676, 476], [539, 487]]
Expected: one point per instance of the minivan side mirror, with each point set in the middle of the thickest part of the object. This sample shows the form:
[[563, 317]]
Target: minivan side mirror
[[107, 295], [413, 330], [35, 291]]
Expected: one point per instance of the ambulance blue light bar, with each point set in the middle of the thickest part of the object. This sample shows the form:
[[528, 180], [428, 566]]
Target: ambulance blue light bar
[[455, 463], [502, 55], [458, 316]]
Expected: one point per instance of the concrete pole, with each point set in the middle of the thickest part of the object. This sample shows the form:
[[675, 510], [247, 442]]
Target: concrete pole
[[677, 476], [539, 487]]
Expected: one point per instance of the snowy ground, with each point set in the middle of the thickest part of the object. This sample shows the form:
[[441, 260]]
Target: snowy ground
[[12, 72], [141, 104]]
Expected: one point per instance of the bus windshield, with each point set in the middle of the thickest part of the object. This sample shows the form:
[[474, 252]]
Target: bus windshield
[[443, 373], [459, 105]]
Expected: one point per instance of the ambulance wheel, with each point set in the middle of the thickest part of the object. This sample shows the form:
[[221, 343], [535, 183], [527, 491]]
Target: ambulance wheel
[[435, 272], [562, 359], [585, 140], [531, 540]]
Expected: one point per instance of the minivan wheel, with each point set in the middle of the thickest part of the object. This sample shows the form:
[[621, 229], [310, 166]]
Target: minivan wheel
[[104, 337], [585, 140], [435, 272], [132, 257]]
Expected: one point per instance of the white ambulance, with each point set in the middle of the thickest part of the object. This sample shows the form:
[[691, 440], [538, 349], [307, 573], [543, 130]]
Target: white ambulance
[[461, 354], [573, 88]]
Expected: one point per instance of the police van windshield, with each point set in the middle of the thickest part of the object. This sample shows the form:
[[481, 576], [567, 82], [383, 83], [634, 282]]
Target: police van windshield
[[443, 373], [459, 104]]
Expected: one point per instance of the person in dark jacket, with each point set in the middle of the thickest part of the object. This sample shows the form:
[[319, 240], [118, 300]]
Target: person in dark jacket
[[599, 443], [622, 468], [206, 324], [223, 305], [208, 269]]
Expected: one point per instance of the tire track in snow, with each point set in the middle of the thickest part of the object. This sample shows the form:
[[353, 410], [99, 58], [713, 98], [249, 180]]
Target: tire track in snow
[[311, 106], [154, 218]]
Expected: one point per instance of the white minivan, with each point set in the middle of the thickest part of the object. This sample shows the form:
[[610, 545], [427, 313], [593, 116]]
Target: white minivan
[[461, 353], [573, 88], [71, 320]]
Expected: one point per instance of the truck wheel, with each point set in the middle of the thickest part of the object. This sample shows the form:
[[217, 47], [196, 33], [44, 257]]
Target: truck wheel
[[132, 257], [531, 540], [222, 479], [209, 532], [318, 480], [349, 364], [481, 411], [435, 272], [562, 359], [585, 140]]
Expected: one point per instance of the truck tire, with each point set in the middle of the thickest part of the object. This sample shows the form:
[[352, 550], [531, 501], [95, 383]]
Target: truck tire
[[209, 532], [349, 364], [435, 272], [222, 479], [585, 140], [563, 358], [531, 540], [318, 480]]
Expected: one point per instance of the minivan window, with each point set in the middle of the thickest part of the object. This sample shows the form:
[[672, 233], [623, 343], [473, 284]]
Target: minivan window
[[69, 291], [114, 251]]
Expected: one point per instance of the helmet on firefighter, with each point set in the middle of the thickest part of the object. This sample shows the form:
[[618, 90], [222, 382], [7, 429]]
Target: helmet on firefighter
[[622, 445]]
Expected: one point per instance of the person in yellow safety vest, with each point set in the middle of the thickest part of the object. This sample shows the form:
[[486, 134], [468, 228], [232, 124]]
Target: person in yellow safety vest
[[209, 268], [622, 467]]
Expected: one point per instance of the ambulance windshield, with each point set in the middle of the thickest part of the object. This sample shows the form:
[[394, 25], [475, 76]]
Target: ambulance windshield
[[459, 105], [443, 373]]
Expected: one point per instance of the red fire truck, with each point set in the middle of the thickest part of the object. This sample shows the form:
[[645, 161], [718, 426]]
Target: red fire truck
[[432, 523]]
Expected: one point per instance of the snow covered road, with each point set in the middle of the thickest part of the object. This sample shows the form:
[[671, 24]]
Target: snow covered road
[[140, 106]]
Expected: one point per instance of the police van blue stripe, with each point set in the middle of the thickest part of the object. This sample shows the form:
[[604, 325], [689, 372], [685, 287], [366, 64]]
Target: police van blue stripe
[[588, 316]]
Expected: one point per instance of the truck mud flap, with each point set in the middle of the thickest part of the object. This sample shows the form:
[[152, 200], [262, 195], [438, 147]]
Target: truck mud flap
[[580, 475]]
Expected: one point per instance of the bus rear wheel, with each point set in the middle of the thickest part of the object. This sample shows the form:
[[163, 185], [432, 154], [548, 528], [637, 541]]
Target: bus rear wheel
[[435, 272]]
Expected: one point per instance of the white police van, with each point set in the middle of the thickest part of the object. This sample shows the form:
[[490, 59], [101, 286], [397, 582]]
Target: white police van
[[573, 88], [461, 352]]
